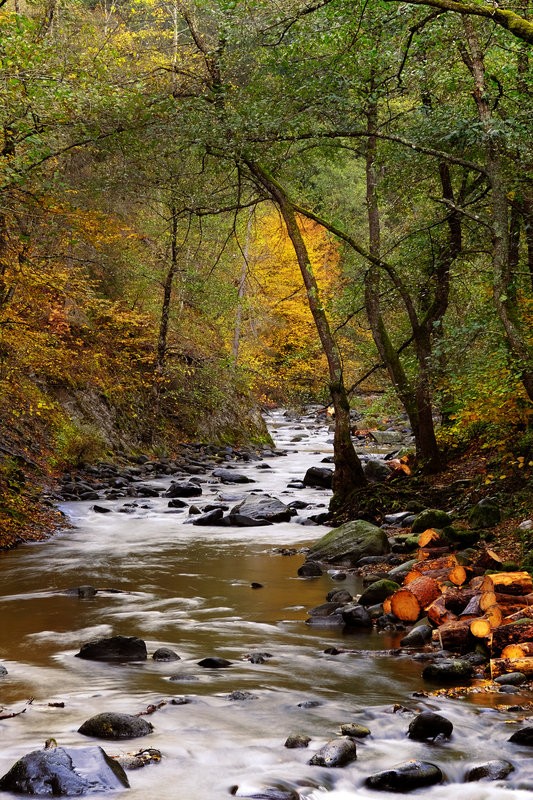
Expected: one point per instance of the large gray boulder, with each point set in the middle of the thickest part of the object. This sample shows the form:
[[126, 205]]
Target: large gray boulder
[[112, 725], [349, 543], [261, 508], [406, 777], [64, 771]]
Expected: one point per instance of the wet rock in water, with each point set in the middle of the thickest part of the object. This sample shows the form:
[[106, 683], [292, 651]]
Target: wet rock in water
[[82, 591], [309, 704], [350, 542], [356, 616], [331, 621], [64, 772], [449, 671], [262, 508], [131, 761], [3, 670], [336, 753], [214, 662], [266, 793], [318, 477], [241, 521], [212, 517], [112, 725], [183, 489], [297, 741], [430, 518], [257, 658], [418, 636], [115, 648], [310, 569], [341, 596], [523, 736], [241, 695], [101, 509], [495, 770], [511, 678], [427, 725], [405, 777], [324, 609], [378, 591], [165, 654], [355, 730], [177, 503], [227, 475]]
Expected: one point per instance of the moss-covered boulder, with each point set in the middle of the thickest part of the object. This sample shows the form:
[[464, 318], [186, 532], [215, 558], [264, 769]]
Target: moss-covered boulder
[[485, 514], [430, 518], [378, 591], [349, 543]]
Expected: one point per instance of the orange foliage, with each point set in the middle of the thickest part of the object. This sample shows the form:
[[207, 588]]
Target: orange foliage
[[281, 344]]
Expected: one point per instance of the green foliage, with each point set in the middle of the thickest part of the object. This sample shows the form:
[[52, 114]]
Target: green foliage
[[77, 444]]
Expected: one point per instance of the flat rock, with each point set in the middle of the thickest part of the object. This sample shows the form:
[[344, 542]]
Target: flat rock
[[405, 777], [231, 476], [112, 725], [262, 508], [114, 648], [64, 772]]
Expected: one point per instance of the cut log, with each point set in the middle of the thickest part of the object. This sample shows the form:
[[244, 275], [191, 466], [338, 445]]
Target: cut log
[[408, 603], [482, 627], [438, 612], [431, 538], [457, 598], [517, 583], [488, 560], [487, 599], [502, 666], [513, 633], [458, 575], [387, 608], [425, 553], [473, 607], [518, 650], [454, 636], [482, 583], [511, 599]]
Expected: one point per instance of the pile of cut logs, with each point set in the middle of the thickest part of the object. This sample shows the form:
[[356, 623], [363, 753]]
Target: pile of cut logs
[[470, 604]]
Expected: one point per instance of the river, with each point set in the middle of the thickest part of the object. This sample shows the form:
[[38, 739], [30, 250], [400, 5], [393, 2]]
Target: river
[[189, 588]]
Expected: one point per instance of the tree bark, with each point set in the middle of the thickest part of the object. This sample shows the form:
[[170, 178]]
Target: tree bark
[[348, 474]]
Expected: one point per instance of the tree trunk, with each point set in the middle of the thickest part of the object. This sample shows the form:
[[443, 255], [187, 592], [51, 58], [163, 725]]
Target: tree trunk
[[241, 291], [502, 278], [348, 474]]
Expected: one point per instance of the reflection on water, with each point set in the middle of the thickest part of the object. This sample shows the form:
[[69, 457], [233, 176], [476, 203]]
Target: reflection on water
[[189, 588]]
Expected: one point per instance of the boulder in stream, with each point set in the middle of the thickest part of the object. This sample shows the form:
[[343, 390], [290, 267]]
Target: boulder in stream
[[523, 736], [165, 654], [321, 477], [114, 648], [427, 726], [227, 475], [112, 725], [263, 507], [336, 753], [183, 489], [405, 777], [495, 770], [64, 772], [449, 671], [349, 543]]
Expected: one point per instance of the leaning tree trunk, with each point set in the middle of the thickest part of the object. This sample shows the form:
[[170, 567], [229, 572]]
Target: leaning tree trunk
[[348, 474]]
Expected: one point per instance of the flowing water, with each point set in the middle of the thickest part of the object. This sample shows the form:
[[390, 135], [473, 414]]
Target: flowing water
[[189, 588]]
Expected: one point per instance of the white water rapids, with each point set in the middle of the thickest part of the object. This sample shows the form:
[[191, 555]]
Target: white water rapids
[[189, 588]]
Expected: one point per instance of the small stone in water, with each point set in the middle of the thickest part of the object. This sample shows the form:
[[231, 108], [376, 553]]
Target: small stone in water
[[297, 741], [214, 662], [355, 730], [428, 725]]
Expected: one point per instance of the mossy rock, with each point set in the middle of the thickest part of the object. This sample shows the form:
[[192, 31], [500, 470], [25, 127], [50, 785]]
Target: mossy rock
[[485, 514], [349, 543], [430, 518], [378, 591]]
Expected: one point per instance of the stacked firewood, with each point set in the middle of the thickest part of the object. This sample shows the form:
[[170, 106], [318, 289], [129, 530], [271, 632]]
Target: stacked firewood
[[470, 604]]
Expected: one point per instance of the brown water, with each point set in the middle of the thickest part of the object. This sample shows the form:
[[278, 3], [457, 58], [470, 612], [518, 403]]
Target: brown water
[[189, 588]]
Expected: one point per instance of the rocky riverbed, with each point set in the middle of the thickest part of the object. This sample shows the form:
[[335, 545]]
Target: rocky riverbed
[[192, 565]]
